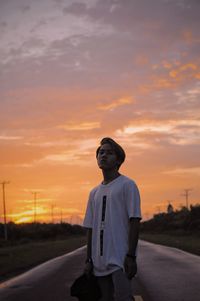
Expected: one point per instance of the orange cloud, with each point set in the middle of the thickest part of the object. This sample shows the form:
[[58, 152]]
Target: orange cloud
[[84, 126], [157, 83], [166, 65], [27, 215], [142, 60], [23, 220], [117, 103], [144, 133], [44, 214], [177, 73], [189, 37], [5, 137], [185, 172], [184, 72]]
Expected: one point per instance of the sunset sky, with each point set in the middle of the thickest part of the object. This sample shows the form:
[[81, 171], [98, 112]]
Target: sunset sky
[[73, 72]]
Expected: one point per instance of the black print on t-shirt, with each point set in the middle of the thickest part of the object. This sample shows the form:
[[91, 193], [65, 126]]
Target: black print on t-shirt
[[102, 224]]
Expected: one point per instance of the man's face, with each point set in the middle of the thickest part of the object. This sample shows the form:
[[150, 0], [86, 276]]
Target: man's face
[[107, 158]]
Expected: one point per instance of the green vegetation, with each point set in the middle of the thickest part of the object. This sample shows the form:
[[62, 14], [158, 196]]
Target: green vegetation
[[17, 259], [179, 229], [184, 242], [32, 244]]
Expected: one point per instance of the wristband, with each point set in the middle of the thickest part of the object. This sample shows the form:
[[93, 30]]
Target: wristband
[[88, 260], [131, 256]]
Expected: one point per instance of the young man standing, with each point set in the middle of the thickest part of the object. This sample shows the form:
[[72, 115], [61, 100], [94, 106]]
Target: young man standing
[[112, 220]]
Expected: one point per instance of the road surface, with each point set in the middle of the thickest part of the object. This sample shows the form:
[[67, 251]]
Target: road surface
[[169, 274], [164, 274]]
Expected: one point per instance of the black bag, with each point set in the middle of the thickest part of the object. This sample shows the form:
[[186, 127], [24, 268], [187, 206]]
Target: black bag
[[86, 288]]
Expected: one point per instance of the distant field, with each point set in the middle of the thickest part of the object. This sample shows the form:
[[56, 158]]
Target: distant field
[[17, 259], [187, 243]]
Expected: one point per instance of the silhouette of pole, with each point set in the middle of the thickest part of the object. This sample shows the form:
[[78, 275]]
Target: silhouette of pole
[[4, 210], [35, 205], [61, 216], [186, 194], [52, 207]]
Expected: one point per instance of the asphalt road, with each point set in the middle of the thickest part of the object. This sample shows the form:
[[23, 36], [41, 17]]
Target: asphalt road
[[169, 274], [164, 274], [48, 282]]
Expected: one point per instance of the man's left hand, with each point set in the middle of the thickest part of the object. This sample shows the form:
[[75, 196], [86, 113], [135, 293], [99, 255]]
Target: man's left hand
[[130, 266]]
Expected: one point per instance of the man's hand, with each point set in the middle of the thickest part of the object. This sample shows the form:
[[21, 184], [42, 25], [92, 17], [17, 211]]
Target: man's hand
[[88, 268], [130, 266]]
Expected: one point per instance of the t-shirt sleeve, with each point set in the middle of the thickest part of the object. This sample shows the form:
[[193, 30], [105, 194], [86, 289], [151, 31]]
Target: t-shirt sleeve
[[133, 200], [88, 220]]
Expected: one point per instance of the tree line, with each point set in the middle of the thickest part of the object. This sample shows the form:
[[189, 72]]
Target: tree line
[[26, 232], [183, 221]]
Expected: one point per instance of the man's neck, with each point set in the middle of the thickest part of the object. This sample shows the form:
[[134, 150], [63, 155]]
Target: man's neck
[[109, 175]]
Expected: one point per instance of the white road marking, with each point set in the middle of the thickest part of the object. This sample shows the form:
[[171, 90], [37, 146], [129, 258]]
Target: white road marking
[[138, 298]]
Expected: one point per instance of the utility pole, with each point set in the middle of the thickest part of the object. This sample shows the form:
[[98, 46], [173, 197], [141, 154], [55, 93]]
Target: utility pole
[[35, 205], [170, 208], [4, 209], [52, 207], [186, 195], [61, 216]]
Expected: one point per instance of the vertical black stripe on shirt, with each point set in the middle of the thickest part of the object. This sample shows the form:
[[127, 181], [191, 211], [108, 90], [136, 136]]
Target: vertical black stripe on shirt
[[103, 214], [101, 243], [103, 209]]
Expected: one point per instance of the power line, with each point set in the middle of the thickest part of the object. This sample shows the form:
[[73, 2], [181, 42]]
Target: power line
[[4, 209]]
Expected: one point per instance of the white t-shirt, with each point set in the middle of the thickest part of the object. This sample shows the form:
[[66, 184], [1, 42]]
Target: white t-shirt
[[108, 212]]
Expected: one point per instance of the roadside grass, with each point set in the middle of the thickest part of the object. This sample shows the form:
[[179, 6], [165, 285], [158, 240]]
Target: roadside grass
[[186, 243], [17, 259]]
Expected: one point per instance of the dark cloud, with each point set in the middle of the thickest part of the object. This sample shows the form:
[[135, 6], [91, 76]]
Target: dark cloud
[[151, 19], [76, 9], [3, 24], [25, 8], [159, 26]]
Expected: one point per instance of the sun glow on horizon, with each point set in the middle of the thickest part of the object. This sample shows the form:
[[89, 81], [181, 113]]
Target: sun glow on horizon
[[23, 220]]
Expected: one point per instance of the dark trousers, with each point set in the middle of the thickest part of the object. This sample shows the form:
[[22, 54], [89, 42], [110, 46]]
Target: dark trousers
[[115, 287]]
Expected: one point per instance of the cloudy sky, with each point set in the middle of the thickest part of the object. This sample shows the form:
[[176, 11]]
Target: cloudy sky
[[74, 71]]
